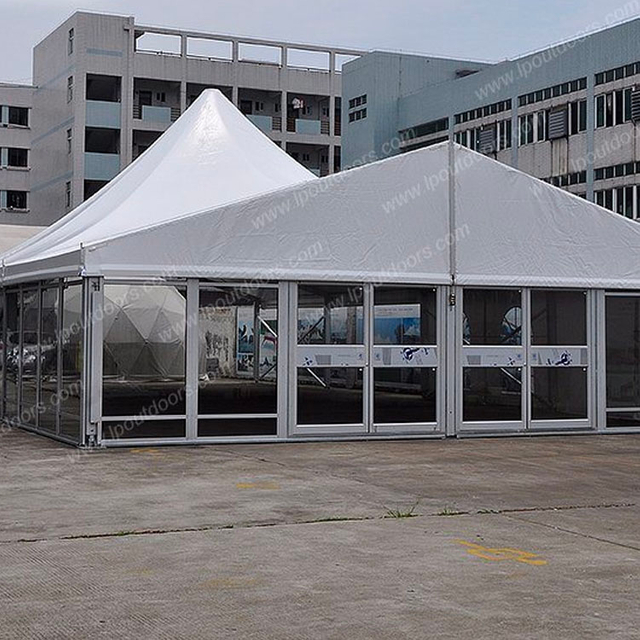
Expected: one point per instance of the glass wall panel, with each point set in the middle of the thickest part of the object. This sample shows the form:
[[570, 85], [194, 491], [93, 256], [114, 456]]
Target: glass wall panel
[[29, 369], [558, 393], [49, 360], [404, 316], [12, 354], [558, 317], [492, 394], [3, 341], [330, 396], [623, 419], [623, 351], [237, 427], [144, 352], [492, 317], [71, 346], [129, 429], [238, 329], [330, 314], [404, 395]]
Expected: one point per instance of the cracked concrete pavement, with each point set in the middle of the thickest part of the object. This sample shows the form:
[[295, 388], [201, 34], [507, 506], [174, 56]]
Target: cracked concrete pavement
[[509, 537]]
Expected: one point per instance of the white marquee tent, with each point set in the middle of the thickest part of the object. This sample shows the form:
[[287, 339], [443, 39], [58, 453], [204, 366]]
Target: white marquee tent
[[434, 293]]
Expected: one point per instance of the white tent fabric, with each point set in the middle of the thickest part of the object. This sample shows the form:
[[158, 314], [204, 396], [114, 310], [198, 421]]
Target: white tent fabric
[[390, 221], [12, 235], [211, 156], [521, 231]]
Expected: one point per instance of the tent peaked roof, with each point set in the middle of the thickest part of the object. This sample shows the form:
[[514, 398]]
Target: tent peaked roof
[[212, 155], [391, 221]]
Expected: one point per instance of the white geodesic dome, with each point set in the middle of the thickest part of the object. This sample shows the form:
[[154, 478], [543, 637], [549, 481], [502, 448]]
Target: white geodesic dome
[[144, 331]]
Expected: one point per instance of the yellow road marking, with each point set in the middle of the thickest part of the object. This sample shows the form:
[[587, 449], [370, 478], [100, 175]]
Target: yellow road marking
[[502, 553], [267, 485]]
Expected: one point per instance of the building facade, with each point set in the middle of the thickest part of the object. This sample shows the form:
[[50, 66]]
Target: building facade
[[567, 115], [107, 88], [15, 153]]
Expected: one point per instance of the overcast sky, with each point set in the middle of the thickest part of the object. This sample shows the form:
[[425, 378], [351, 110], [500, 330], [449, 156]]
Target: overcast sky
[[479, 30]]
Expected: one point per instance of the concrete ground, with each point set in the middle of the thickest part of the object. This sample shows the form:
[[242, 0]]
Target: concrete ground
[[510, 538]]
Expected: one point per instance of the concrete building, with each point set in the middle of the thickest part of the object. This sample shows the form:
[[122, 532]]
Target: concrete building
[[567, 114], [107, 88], [15, 155]]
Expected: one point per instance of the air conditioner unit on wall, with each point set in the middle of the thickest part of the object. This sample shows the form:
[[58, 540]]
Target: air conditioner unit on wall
[[487, 140], [635, 105], [558, 123]]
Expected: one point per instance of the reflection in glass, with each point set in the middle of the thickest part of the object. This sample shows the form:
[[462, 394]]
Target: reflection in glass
[[330, 396], [404, 395], [29, 365], [558, 393], [72, 354], [128, 429], [12, 354], [144, 351], [492, 394], [330, 314], [404, 316], [623, 419], [623, 351], [558, 318], [49, 360], [238, 356], [492, 317], [3, 341], [209, 428]]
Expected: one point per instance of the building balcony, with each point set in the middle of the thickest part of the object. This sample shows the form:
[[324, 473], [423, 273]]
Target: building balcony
[[308, 127], [103, 114], [266, 123], [164, 115], [101, 166]]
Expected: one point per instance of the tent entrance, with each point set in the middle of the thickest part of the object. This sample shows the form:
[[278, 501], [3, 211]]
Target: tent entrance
[[525, 360], [367, 360]]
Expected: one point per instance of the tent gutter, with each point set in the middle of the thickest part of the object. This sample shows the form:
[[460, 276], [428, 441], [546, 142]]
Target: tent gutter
[[68, 265]]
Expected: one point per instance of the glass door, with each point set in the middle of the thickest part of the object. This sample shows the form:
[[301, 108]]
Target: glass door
[[330, 360], [492, 361], [622, 352], [238, 361], [560, 360], [405, 360]]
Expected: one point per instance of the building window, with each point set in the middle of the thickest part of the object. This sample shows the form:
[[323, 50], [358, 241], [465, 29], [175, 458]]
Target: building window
[[69, 140], [17, 116], [526, 127], [69, 88], [68, 199], [541, 126], [613, 108], [504, 135], [552, 92], [357, 115], [70, 41], [622, 200], [426, 129], [17, 157], [577, 117], [482, 112], [618, 73], [357, 102], [17, 200]]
